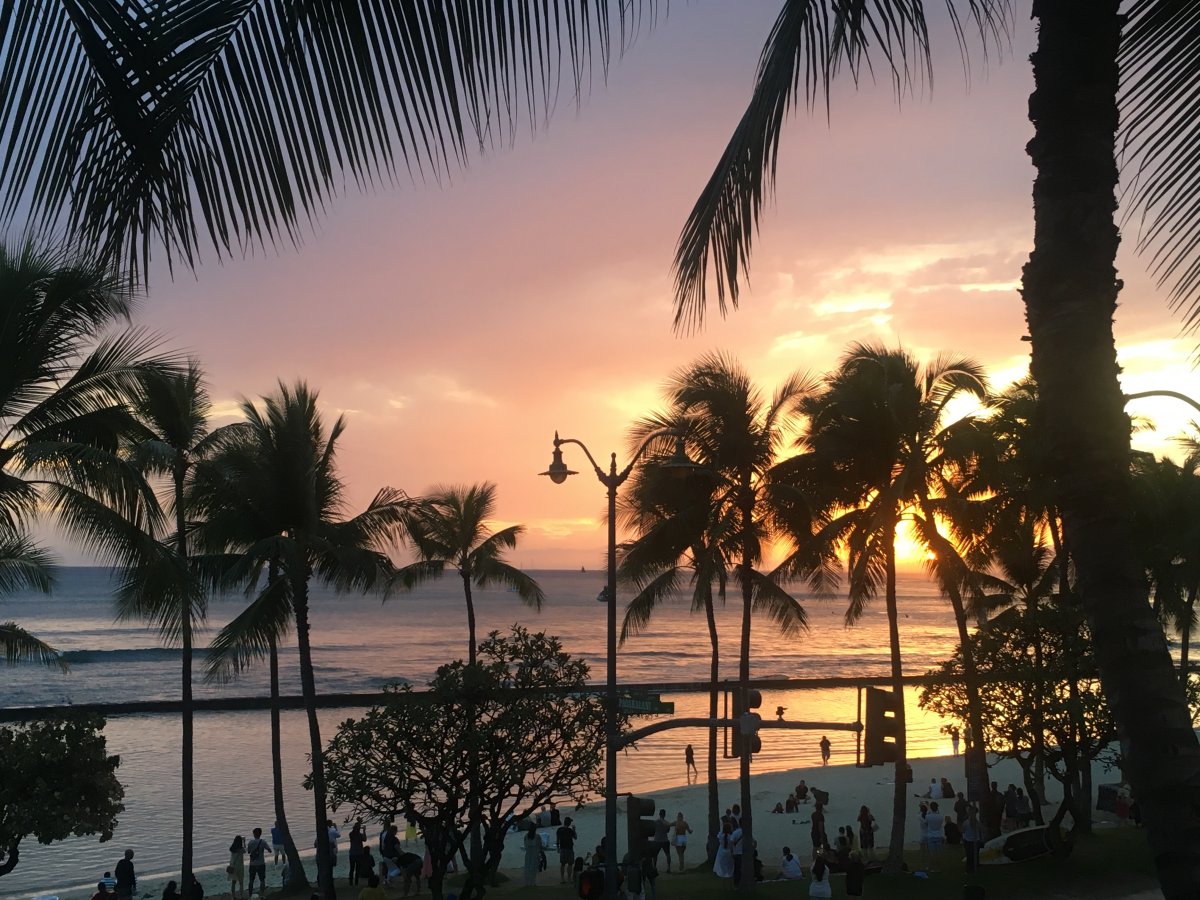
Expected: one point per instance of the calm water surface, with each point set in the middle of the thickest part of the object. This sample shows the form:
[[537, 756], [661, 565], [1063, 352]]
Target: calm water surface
[[361, 644]]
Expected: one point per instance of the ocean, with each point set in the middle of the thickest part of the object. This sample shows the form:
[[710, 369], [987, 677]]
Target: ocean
[[361, 644]]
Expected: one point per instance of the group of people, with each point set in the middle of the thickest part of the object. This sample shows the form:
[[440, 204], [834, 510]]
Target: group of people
[[938, 829], [256, 849]]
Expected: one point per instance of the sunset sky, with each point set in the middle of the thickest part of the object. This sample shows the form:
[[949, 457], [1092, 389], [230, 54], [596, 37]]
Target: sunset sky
[[459, 326]]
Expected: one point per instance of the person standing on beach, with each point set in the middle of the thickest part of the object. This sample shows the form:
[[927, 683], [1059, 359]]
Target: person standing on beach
[[972, 837], [358, 839], [533, 852], [954, 738], [257, 848], [277, 841], [723, 864], [819, 839], [125, 877], [565, 838], [682, 830], [824, 750], [236, 870], [689, 761], [867, 826], [662, 839], [736, 845]]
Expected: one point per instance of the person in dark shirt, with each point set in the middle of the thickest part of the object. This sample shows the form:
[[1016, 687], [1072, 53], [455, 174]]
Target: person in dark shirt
[[171, 892], [565, 837], [126, 879]]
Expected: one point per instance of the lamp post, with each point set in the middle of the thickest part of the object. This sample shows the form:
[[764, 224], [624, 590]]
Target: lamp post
[[612, 479]]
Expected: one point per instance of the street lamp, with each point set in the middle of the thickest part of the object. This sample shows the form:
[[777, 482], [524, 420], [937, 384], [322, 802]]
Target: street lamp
[[612, 479]]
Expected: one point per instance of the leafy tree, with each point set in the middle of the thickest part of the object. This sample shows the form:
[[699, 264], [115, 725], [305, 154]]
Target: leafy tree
[[533, 734], [291, 469], [56, 780], [66, 394], [1061, 697], [449, 529]]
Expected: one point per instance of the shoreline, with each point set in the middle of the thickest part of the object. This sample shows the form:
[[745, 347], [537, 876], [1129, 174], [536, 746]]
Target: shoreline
[[849, 788]]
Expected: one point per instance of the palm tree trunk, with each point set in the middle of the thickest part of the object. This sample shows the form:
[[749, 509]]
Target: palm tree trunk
[[471, 649], [308, 686], [187, 805], [1185, 634], [1070, 291], [714, 673], [895, 858], [297, 877], [747, 879], [1039, 725]]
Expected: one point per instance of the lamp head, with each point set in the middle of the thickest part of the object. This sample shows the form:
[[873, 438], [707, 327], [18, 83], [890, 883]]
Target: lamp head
[[558, 470], [678, 463]]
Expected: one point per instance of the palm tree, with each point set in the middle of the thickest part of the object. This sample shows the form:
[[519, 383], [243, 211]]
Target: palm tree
[[295, 478], [737, 435], [449, 529], [1070, 292], [681, 542], [160, 583], [65, 407], [147, 142], [878, 449]]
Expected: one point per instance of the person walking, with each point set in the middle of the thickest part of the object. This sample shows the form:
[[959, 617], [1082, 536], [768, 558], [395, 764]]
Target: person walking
[[565, 838], [125, 877], [257, 849], [682, 830], [689, 761], [824, 750], [236, 870]]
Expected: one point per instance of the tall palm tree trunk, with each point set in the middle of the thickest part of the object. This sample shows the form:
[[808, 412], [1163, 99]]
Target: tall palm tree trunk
[[471, 649], [747, 879], [187, 806], [895, 858], [309, 688], [297, 877], [1185, 634], [1070, 292], [714, 673]]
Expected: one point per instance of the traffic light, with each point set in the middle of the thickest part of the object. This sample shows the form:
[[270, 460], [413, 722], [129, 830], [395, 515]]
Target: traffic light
[[640, 821], [745, 722], [882, 729]]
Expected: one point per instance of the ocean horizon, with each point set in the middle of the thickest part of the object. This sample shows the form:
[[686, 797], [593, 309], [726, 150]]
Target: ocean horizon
[[361, 644]]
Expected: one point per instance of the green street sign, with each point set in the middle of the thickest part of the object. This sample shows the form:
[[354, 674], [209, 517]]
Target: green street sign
[[647, 704]]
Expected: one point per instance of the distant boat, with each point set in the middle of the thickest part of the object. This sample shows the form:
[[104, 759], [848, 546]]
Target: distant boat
[[582, 569]]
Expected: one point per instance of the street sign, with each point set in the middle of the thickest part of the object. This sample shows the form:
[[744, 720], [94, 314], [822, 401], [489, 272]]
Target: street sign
[[647, 704]]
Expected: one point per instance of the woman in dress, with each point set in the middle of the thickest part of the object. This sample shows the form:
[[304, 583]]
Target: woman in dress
[[866, 832], [533, 853], [723, 865], [237, 866], [682, 830]]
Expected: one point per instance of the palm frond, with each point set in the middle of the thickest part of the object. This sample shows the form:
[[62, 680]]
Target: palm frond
[[810, 40], [640, 609], [778, 605], [25, 565], [234, 124], [249, 636], [21, 646], [1160, 141], [498, 572]]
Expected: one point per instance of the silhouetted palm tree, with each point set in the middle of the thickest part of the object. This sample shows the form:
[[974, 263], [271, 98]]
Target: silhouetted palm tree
[[159, 582], [65, 407], [878, 448], [681, 542], [449, 528], [736, 435], [291, 471]]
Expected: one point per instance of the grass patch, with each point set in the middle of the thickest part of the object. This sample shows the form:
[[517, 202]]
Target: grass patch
[[1113, 863]]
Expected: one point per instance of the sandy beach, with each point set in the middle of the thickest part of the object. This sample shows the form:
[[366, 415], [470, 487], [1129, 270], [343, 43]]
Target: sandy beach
[[849, 788]]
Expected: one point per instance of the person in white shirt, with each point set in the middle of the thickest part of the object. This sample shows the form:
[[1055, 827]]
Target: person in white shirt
[[789, 867], [935, 823]]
